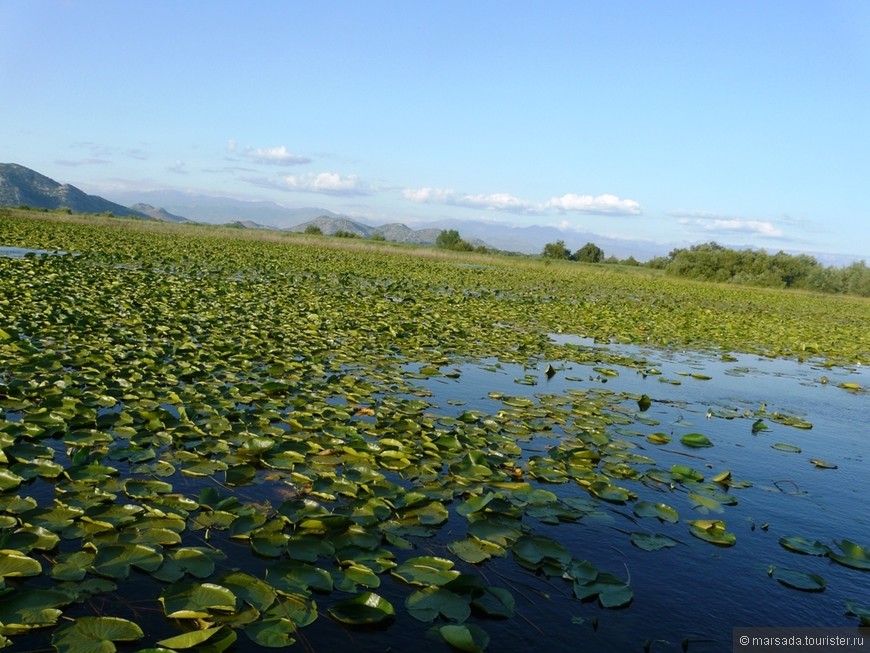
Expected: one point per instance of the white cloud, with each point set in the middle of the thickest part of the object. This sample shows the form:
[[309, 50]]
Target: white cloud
[[499, 201], [598, 204], [328, 183], [179, 167], [429, 195], [491, 202], [273, 155], [231, 145], [735, 225], [601, 204]]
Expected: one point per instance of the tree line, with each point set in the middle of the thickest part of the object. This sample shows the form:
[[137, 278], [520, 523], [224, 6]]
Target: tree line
[[713, 262]]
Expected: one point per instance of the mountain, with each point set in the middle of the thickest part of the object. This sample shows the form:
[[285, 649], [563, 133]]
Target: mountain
[[219, 210], [23, 186], [531, 240], [401, 233], [158, 214], [330, 225], [394, 232], [244, 224]]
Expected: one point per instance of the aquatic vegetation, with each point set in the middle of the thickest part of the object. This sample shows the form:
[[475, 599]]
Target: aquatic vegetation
[[251, 432]]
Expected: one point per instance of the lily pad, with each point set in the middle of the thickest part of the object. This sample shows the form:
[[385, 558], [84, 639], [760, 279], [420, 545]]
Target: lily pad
[[365, 609], [649, 542], [426, 570], [712, 531], [95, 634], [470, 639], [860, 611], [426, 604], [799, 580], [851, 555], [662, 511], [474, 550], [800, 544], [192, 600], [115, 560], [219, 638], [696, 440]]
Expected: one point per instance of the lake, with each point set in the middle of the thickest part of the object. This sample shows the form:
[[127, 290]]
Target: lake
[[689, 593]]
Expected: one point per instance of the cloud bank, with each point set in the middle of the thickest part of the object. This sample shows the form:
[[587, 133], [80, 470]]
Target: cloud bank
[[272, 155], [713, 223], [325, 183], [598, 205]]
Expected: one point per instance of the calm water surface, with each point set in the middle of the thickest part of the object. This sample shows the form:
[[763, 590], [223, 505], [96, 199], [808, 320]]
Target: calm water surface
[[686, 598], [699, 591]]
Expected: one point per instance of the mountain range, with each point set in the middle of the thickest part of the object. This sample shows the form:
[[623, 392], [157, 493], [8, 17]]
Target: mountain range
[[22, 186], [502, 236]]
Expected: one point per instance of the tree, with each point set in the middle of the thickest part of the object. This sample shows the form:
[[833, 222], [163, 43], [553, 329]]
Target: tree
[[589, 253], [556, 250], [450, 239], [313, 230]]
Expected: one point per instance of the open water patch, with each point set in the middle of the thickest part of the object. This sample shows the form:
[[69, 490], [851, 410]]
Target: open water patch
[[21, 252]]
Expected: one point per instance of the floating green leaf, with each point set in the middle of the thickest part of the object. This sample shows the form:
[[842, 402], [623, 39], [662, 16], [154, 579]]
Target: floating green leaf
[[426, 604], [115, 560], [649, 542], [658, 438], [364, 609], [219, 639], [192, 600], [860, 611], [470, 639], [851, 555], [537, 551], [799, 580], [94, 635], [712, 531], [426, 570], [661, 511], [14, 564], [696, 440], [475, 550], [26, 609], [800, 544], [495, 602]]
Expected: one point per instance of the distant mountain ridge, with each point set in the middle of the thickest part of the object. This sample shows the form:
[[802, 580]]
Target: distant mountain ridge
[[22, 186], [219, 210], [158, 214]]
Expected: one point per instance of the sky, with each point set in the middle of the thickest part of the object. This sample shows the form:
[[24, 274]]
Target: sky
[[744, 122]]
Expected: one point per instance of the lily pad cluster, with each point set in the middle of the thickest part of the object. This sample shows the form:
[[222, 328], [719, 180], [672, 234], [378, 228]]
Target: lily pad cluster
[[234, 430]]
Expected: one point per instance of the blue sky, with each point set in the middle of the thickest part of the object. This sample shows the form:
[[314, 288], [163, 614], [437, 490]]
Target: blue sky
[[679, 122]]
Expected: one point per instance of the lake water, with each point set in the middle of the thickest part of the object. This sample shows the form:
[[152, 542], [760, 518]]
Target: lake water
[[698, 591], [686, 598], [21, 252]]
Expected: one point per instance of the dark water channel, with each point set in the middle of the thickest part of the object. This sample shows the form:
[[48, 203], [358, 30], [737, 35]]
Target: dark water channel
[[694, 594]]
